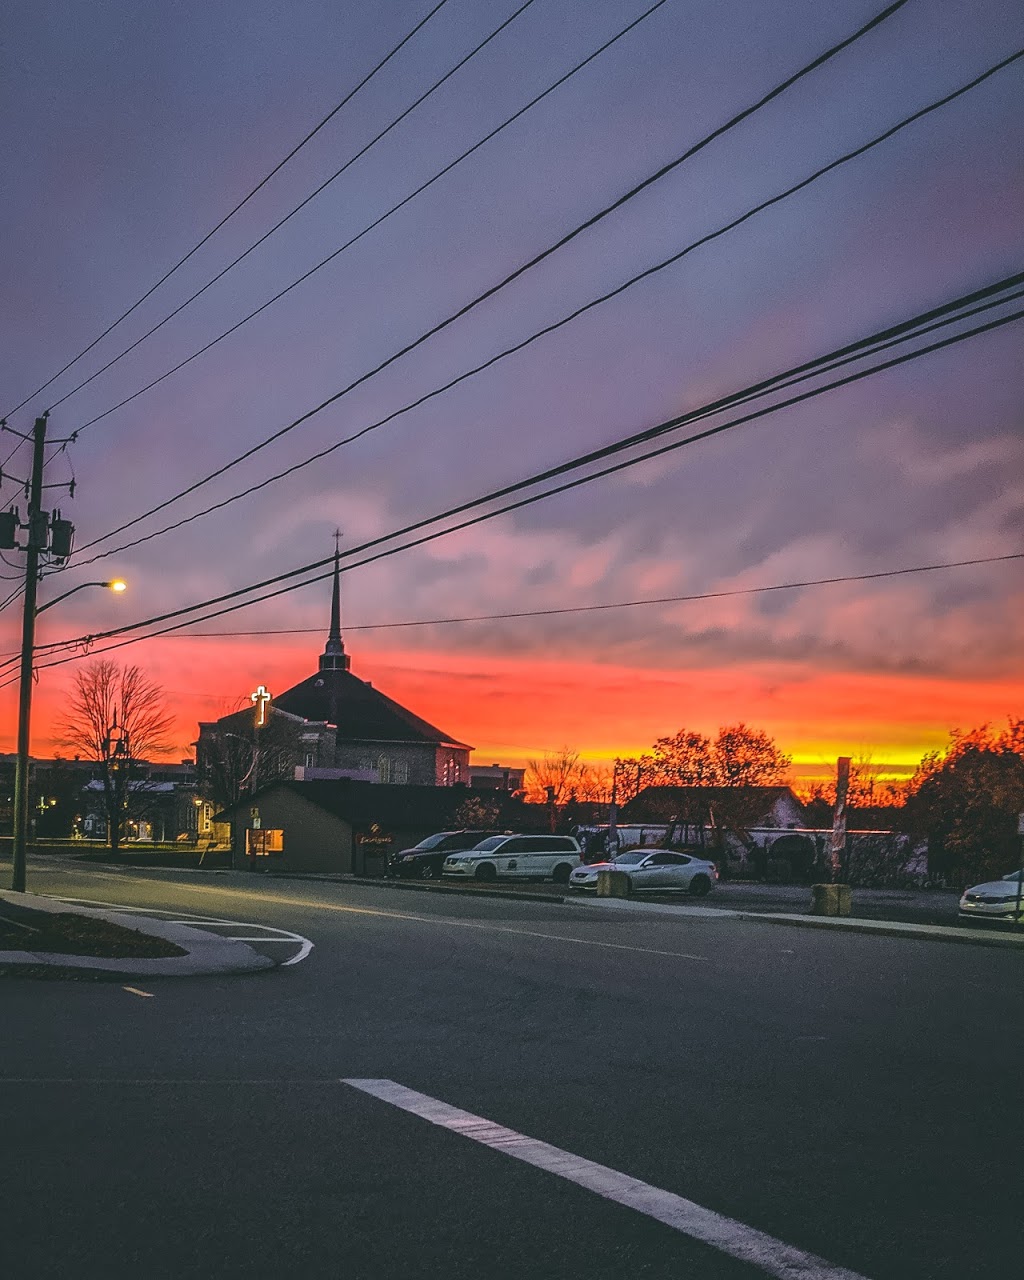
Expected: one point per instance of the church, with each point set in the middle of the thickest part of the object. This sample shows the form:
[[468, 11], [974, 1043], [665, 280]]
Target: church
[[330, 725]]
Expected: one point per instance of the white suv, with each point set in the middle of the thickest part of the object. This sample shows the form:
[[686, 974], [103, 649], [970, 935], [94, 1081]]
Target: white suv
[[517, 858]]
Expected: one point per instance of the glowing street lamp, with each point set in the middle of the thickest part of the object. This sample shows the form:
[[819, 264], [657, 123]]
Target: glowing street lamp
[[117, 586]]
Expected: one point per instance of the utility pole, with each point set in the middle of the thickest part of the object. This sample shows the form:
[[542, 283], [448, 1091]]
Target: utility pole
[[837, 860], [38, 532], [1020, 873]]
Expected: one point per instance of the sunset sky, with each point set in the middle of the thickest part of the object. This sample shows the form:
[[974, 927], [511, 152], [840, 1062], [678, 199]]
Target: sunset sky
[[130, 130]]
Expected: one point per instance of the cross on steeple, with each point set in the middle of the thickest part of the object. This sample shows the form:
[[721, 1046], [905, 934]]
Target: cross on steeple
[[334, 657], [261, 697]]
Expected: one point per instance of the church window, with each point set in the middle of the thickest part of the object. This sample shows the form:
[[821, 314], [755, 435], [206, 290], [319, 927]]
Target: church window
[[400, 773], [310, 759], [384, 768]]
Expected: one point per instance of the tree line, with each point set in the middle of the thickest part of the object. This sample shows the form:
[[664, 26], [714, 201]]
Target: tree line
[[738, 756], [964, 798]]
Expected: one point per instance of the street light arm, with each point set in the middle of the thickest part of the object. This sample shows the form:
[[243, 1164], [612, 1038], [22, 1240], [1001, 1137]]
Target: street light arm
[[116, 585]]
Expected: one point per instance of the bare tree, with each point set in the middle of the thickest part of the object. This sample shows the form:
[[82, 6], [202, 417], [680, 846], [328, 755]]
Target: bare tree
[[632, 774], [554, 777], [747, 757], [116, 715], [685, 760], [237, 761], [594, 785]]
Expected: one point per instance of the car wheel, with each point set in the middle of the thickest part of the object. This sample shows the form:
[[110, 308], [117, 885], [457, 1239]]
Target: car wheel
[[700, 886], [485, 872], [561, 873]]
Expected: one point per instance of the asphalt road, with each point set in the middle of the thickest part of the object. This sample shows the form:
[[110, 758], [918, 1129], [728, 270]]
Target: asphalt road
[[854, 1097]]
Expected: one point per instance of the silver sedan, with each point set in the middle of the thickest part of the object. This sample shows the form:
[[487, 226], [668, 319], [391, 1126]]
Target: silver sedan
[[661, 869], [995, 900]]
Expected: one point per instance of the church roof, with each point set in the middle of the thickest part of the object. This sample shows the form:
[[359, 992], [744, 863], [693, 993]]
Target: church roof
[[334, 695], [361, 712]]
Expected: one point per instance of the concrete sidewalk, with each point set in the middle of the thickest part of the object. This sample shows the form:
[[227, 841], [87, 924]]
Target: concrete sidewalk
[[206, 953]]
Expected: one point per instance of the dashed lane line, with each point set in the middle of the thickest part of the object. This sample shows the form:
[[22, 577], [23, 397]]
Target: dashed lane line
[[727, 1235], [135, 991]]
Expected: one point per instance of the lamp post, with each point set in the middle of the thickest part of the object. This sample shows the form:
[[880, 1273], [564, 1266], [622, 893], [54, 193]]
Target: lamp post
[[28, 641]]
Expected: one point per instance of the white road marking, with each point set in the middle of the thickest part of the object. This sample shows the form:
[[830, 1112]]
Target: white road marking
[[148, 995], [270, 932], [774, 1257], [304, 951], [239, 938], [439, 921]]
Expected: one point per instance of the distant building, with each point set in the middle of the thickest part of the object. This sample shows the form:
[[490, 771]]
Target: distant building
[[66, 799], [331, 725], [770, 808], [496, 777]]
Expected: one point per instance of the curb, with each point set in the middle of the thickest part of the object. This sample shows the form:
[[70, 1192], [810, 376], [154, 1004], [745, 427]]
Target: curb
[[206, 954], [886, 928]]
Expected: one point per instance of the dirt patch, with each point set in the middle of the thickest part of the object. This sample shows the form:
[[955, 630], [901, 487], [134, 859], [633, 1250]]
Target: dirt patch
[[66, 933]]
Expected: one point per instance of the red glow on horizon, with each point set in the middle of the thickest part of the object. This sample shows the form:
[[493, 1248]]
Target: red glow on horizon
[[511, 709]]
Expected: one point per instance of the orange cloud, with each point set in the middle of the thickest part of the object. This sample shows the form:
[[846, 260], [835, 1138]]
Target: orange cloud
[[512, 708]]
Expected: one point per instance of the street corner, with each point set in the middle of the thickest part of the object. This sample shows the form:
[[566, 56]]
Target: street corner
[[161, 943]]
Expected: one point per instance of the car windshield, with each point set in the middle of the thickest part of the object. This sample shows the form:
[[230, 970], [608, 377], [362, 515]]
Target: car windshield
[[432, 842], [1014, 875], [633, 856], [491, 843]]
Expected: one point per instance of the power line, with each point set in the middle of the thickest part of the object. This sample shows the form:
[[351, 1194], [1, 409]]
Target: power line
[[668, 448], [535, 336], [651, 433], [241, 204], [694, 597], [906, 331], [941, 317], [521, 270], [292, 212], [377, 221], [624, 604]]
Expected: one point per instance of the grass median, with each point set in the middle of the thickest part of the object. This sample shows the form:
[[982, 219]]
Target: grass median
[[66, 933]]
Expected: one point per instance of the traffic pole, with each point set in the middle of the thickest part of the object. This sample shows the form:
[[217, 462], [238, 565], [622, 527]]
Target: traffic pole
[[37, 537]]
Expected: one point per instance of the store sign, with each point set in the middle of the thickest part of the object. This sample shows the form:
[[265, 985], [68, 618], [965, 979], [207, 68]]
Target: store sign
[[375, 838]]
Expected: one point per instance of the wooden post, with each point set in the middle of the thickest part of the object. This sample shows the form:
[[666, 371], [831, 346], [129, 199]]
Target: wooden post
[[837, 844]]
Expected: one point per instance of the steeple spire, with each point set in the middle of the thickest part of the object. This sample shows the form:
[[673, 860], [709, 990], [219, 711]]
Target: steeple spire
[[334, 657]]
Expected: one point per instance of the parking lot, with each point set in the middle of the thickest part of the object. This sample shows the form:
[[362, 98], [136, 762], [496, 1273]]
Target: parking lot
[[914, 906]]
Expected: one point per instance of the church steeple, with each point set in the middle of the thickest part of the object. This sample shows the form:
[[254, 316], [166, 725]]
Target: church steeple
[[334, 657]]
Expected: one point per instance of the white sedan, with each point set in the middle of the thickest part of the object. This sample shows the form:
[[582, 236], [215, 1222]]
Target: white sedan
[[661, 869], [995, 900]]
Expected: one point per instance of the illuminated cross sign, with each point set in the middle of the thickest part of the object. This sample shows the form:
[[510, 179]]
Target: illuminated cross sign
[[261, 697]]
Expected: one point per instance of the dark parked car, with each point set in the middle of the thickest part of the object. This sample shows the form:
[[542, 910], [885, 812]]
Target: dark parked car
[[424, 860]]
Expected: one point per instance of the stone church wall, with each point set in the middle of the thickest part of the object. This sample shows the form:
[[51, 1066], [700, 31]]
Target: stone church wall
[[392, 761]]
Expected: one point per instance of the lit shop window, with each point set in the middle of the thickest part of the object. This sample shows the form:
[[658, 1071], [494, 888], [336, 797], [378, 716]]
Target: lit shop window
[[263, 842]]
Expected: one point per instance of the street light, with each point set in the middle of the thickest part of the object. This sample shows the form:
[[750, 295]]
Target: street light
[[117, 586], [28, 640]]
